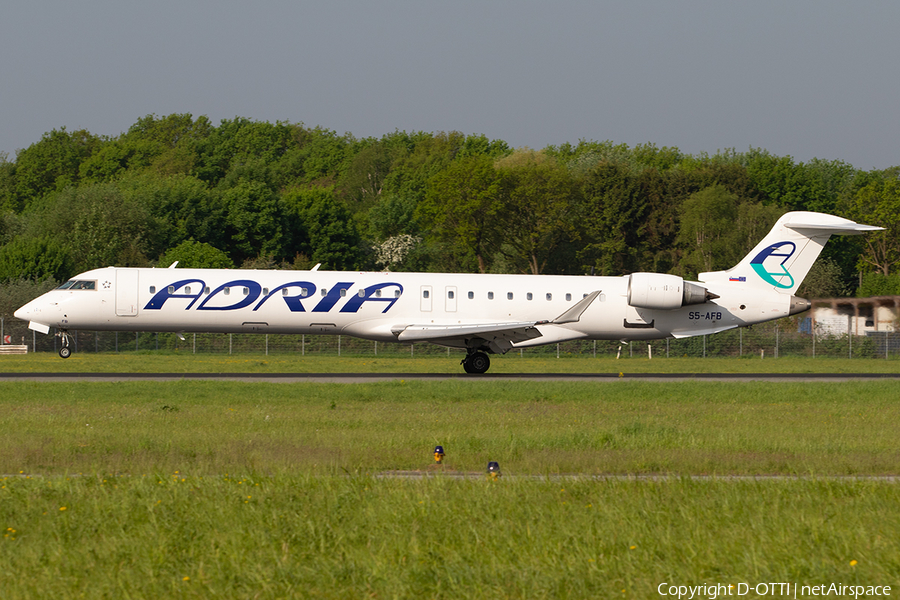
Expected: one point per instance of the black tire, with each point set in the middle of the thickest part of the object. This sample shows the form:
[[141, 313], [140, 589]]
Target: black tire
[[65, 352], [478, 363]]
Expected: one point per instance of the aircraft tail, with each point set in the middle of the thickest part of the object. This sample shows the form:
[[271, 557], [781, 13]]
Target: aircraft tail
[[784, 257]]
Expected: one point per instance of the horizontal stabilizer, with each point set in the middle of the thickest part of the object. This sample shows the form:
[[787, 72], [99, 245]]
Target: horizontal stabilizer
[[849, 228]]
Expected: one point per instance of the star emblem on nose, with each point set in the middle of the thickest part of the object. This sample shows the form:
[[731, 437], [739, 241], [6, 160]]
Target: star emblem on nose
[[106, 285]]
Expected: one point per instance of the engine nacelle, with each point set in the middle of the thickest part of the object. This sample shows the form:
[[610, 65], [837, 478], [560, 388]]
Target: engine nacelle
[[664, 292]]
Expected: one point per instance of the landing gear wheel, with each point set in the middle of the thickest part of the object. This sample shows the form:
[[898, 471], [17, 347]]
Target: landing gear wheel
[[64, 351], [476, 363]]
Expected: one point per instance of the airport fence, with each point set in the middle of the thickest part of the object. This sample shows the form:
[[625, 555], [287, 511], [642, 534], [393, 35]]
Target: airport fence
[[777, 339]]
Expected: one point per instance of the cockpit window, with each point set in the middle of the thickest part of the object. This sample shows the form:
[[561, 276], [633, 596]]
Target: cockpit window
[[78, 284]]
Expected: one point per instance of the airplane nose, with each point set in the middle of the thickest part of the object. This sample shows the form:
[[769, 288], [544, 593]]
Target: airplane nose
[[23, 313]]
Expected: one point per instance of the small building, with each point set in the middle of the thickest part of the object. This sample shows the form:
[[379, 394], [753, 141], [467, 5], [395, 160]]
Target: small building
[[854, 316]]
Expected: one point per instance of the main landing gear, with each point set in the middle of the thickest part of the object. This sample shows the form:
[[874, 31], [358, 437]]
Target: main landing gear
[[476, 363], [65, 351]]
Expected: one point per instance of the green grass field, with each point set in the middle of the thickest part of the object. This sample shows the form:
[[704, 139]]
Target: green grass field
[[195, 489], [624, 427], [176, 362]]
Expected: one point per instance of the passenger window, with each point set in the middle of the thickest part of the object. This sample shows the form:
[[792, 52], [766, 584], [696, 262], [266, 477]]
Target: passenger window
[[424, 293], [187, 290], [378, 293], [362, 293], [471, 295], [265, 291], [303, 291], [450, 295], [152, 289], [284, 291], [324, 292], [490, 295], [226, 291], [528, 296], [343, 292], [246, 291], [549, 296], [396, 293], [509, 295], [171, 289], [206, 290], [568, 297]]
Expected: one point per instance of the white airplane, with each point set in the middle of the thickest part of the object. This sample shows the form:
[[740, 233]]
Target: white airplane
[[480, 313]]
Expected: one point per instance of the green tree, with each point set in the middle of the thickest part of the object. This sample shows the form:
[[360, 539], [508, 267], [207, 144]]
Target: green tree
[[824, 280], [315, 157], [707, 222], [35, 259], [460, 212], [181, 206], [9, 200], [362, 181], [718, 229], [167, 145], [327, 233], [238, 141], [540, 211], [52, 164], [253, 222], [613, 219], [99, 225], [879, 204], [191, 254]]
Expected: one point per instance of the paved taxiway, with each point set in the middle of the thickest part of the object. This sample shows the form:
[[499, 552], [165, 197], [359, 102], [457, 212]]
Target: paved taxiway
[[373, 377]]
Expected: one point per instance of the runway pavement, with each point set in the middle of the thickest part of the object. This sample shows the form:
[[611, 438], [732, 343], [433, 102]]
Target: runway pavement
[[375, 377]]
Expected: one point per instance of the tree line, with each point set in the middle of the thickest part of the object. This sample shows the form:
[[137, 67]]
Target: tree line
[[255, 194]]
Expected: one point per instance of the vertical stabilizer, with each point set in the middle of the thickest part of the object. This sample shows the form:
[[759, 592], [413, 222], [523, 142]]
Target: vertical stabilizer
[[784, 257]]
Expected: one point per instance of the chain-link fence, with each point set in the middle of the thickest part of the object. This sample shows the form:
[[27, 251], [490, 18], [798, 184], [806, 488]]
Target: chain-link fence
[[782, 338]]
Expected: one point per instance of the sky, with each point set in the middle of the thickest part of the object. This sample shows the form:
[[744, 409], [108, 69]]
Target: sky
[[800, 78]]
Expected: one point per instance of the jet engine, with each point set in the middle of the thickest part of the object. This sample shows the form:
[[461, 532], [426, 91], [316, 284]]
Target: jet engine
[[664, 292]]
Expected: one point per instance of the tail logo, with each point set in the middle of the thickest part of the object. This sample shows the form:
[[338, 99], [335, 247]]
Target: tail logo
[[769, 264]]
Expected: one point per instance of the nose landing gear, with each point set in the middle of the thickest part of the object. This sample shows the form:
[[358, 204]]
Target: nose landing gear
[[65, 351], [476, 363]]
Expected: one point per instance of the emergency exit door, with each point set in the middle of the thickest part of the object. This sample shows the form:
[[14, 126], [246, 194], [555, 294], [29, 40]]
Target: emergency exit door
[[126, 292]]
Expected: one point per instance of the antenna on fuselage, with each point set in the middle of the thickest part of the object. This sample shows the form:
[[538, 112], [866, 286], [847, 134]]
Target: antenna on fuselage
[[172, 266], [316, 268]]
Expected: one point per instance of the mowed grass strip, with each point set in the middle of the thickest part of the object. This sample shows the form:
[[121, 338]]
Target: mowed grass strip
[[206, 428], [171, 535], [185, 362]]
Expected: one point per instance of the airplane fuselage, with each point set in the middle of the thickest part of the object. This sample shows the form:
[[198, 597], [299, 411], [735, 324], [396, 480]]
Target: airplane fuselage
[[377, 306]]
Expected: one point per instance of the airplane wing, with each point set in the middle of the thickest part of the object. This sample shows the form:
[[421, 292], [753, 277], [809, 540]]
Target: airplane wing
[[498, 337]]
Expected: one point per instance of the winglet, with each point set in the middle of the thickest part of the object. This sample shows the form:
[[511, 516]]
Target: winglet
[[574, 314]]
